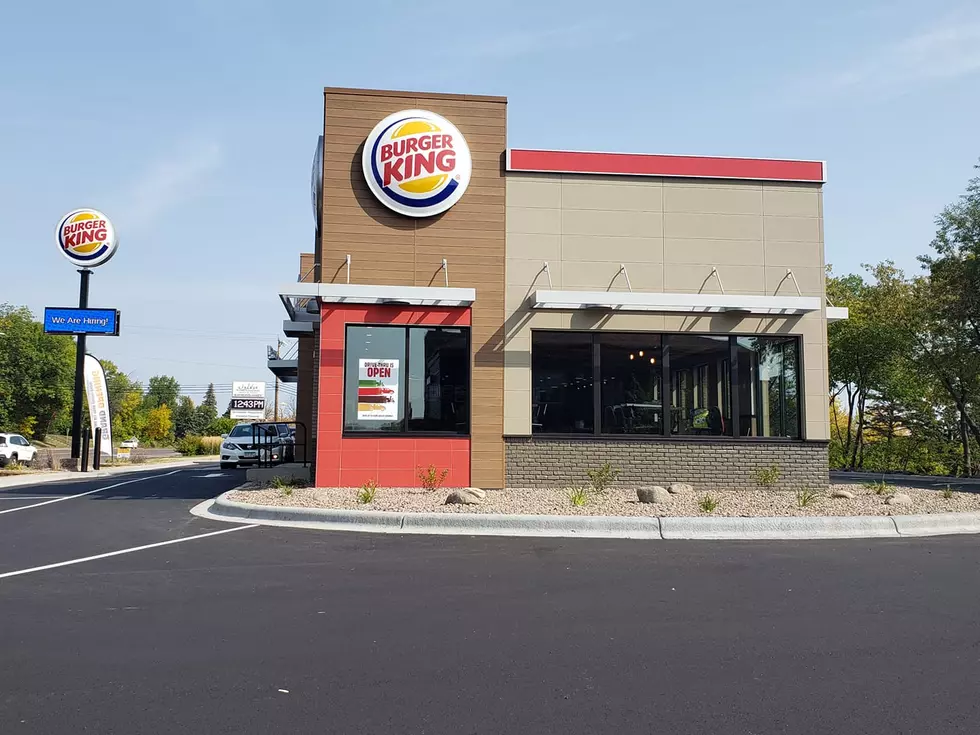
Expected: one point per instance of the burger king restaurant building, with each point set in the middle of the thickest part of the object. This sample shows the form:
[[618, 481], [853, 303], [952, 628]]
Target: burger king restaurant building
[[516, 317]]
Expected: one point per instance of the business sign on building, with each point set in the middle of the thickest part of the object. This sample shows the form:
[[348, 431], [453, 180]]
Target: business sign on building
[[417, 163], [247, 400], [377, 390], [86, 237], [72, 320]]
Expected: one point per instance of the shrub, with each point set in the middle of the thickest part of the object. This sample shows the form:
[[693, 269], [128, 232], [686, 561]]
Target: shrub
[[878, 487], [197, 446], [44, 460], [948, 493], [767, 476], [368, 492], [432, 478], [189, 446], [602, 477], [806, 497], [707, 504], [137, 456], [14, 467], [578, 496]]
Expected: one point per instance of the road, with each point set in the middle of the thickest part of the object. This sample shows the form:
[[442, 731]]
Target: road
[[274, 630]]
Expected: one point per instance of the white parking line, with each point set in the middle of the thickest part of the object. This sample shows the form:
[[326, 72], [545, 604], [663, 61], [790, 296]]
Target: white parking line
[[90, 492], [124, 551]]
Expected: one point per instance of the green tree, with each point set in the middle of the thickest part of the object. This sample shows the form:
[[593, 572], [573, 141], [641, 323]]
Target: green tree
[[221, 425], [131, 418], [186, 418], [37, 372], [159, 426], [162, 390], [208, 410]]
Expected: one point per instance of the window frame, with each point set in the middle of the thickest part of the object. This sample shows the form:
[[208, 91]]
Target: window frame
[[405, 433], [667, 388]]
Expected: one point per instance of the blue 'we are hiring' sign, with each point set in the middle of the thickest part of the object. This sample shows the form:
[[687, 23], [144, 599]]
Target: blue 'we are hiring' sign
[[72, 320]]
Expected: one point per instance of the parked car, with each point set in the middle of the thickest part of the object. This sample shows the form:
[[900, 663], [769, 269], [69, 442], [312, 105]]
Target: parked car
[[238, 447], [15, 448], [131, 443], [287, 438]]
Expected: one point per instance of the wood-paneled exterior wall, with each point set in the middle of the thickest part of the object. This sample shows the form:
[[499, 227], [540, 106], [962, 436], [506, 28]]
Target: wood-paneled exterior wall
[[390, 249]]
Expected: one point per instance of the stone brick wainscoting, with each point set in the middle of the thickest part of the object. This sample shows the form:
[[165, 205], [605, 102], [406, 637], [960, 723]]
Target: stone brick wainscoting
[[708, 465]]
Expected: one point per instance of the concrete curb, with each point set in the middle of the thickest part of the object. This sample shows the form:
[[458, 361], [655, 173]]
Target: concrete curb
[[42, 479], [669, 528]]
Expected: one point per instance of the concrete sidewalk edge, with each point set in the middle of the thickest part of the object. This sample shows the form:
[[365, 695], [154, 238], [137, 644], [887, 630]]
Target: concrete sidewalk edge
[[43, 479], [481, 524]]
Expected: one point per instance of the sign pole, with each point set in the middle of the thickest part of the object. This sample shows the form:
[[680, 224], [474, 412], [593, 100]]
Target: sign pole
[[76, 409]]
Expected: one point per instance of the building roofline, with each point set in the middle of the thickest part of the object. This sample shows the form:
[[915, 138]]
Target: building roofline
[[418, 95]]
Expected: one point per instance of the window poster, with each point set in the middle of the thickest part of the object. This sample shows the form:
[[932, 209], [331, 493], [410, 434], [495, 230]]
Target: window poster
[[377, 390]]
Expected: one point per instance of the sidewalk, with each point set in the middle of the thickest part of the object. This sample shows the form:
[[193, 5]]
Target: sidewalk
[[41, 478]]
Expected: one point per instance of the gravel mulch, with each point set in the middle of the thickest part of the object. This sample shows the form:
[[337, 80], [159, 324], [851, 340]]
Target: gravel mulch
[[622, 502]]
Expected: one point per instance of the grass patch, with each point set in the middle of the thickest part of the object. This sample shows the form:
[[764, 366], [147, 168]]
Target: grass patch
[[806, 497], [368, 492], [707, 504], [878, 487], [577, 496], [948, 493]]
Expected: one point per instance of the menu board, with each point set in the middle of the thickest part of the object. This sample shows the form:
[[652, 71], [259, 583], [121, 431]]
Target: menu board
[[377, 390]]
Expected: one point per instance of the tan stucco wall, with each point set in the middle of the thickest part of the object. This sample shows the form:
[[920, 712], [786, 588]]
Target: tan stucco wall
[[669, 233]]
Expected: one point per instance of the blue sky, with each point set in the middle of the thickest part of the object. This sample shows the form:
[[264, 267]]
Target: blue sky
[[192, 124]]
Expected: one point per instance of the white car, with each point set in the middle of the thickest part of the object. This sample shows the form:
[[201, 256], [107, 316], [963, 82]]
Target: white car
[[238, 447], [15, 448], [131, 443]]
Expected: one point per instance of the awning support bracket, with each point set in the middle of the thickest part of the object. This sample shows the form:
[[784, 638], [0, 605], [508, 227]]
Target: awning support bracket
[[717, 275], [790, 274], [348, 267], [547, 270], [622, 269], [445, 270]]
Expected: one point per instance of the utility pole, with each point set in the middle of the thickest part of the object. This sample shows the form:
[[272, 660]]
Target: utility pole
[[275, 410]]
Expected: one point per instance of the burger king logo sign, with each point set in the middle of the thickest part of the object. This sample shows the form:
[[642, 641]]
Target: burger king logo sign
[[86, 237], [417, 163]]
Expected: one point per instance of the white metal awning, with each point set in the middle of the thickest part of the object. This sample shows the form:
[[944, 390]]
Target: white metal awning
[[691, 303], [355, 293], [837, 313]]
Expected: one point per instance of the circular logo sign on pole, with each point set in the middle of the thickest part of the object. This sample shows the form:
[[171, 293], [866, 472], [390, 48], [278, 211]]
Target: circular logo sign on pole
[[86, 237], [417, 163]]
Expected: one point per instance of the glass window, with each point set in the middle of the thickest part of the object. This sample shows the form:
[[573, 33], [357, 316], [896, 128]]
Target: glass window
[[768, 388], [374, 379], [631, 368], [407, 379], [241, 430], [700, 385], [438, 380], [562, 399]]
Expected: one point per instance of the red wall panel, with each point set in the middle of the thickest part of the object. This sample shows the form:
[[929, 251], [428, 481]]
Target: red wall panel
[[393, 462]]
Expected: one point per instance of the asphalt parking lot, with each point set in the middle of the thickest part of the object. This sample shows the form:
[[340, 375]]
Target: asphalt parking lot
[[206, 627]]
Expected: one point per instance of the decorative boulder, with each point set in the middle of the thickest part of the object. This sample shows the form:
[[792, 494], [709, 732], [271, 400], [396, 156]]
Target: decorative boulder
[[842, 493], [463, 496], [481, 494], [680, 488], [653, 494], [898, 499]]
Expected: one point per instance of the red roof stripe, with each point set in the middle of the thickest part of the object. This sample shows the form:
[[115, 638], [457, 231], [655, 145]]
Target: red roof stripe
[[643, 164]]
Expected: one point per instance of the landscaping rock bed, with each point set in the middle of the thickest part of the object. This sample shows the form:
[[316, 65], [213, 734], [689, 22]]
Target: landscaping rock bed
[[624, 502]]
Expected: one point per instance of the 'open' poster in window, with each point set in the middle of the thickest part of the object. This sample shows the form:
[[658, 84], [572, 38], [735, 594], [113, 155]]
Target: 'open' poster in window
[[377, 390]]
